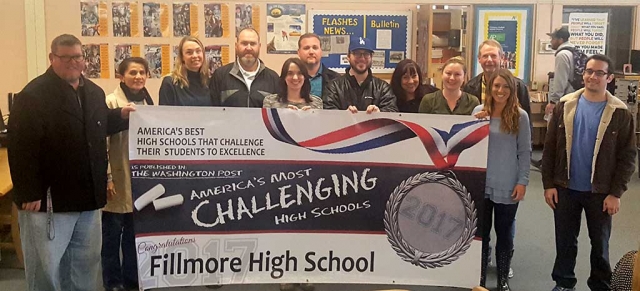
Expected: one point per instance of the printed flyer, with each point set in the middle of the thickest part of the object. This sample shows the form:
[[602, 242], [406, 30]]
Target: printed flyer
[[285, 24], [93, 18], [125, 19], [155, 19], [589, 32], [96, 59]]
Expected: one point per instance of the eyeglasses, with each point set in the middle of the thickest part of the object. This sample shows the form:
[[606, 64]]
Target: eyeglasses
[[598, 73], [67, 59]]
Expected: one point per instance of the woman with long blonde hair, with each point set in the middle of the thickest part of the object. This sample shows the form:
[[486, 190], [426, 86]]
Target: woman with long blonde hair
[[187, 85], [507, 170]]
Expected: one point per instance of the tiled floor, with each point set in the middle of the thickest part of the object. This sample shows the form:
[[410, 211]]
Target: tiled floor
[[532, 262]]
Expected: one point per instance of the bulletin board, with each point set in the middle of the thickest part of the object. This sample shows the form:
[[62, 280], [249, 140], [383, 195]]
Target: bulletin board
[[390, 32]]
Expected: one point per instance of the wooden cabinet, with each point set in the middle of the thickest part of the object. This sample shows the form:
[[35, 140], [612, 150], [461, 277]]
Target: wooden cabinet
[[441, 22]]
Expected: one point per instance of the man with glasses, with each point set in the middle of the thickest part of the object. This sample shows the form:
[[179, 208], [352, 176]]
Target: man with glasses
[[588, 159], [358, 89], [58, 159]]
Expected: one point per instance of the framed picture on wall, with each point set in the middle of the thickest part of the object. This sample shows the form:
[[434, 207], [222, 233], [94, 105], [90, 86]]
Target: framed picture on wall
[[512, 27]]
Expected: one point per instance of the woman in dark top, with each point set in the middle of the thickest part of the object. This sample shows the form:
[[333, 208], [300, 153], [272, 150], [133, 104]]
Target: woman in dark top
[[187, 84], [406, 83]]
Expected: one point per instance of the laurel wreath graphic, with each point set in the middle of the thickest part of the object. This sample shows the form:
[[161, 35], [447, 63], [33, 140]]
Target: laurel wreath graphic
[[413, 255]]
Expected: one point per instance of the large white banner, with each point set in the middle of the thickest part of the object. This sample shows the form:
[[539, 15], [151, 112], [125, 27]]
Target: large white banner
[[238, 196], [589, 32]]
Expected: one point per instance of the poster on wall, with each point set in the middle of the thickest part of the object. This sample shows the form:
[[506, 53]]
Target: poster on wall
[[285, 24], [125, 19], [123, 51], [155, 19], [511, 26], [217, 56], [158, 57], [273, 202], [589, 32], [93, 18], [174, 55], [247, 15], [185, 19], [216, 20], [96, 59], [390, 31]]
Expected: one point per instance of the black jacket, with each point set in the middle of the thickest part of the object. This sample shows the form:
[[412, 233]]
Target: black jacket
[[474, 87], [328, 75], [55, 144], [340, 94], [227, 86]]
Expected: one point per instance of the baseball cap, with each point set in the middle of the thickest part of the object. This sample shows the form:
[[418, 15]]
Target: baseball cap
[[360, 43], [561, 32]]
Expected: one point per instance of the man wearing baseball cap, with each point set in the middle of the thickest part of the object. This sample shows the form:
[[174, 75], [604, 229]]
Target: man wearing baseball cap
[[358, 89], [563, 70]]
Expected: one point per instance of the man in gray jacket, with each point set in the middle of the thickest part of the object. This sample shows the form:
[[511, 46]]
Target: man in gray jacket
[[563, 71]]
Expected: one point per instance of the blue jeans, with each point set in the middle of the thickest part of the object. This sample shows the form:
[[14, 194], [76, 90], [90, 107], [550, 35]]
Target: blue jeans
[[69, 261], [567, 216], [505, 224], [117, 232]]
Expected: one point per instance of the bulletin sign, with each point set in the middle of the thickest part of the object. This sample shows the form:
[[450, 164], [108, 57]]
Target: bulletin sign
[[511, 26], [390, 32]]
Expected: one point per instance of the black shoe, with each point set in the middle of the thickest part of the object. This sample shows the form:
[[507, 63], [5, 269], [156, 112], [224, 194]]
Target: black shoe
[[213, 286]]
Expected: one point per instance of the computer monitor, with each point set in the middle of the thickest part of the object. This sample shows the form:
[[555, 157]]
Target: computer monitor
[[635, 61]]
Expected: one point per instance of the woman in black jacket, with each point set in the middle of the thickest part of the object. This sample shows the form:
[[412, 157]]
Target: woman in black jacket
[[187, 85]]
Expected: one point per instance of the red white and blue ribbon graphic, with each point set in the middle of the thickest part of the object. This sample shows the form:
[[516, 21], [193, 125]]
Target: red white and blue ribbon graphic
[[443, 147]]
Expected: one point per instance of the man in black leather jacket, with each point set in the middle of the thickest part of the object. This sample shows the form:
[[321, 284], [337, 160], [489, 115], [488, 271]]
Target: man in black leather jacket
[[490, 56], [358, 89]]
